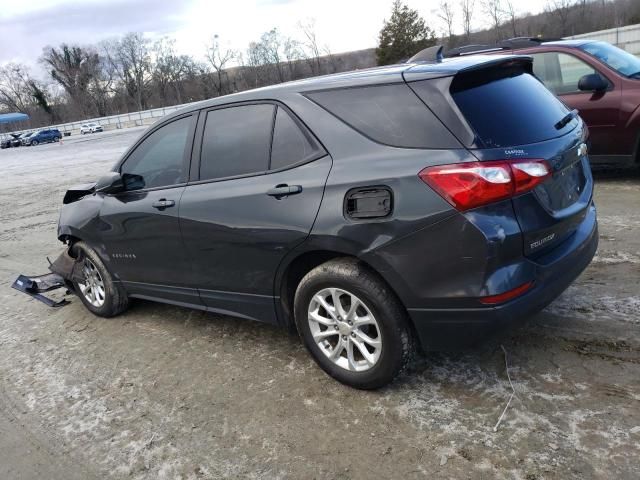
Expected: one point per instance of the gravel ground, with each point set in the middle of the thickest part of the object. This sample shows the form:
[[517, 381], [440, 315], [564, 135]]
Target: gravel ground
[[165, 392]]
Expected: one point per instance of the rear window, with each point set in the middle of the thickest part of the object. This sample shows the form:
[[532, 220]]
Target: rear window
[[388, 114], [507, 107]]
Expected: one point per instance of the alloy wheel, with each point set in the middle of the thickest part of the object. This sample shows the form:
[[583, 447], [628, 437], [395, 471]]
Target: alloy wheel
[[345, 329], [93, 288]]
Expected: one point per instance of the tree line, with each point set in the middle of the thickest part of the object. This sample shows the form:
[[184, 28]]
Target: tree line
[[132, 73], [560, 18]]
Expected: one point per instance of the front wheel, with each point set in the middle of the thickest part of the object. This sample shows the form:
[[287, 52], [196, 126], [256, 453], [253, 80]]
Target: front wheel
[[34, 143], [353, 325], [98, 291]]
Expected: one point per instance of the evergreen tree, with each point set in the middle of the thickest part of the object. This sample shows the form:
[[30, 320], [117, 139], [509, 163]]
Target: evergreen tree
[[403, 35]]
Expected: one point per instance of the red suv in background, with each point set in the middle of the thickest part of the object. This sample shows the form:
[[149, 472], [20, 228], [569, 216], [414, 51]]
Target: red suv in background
[[598, 79]]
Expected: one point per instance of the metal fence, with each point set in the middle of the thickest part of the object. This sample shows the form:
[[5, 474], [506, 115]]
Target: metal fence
[[627, 38]]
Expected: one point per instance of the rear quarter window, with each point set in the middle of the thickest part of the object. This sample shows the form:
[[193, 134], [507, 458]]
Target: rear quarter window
[[291, 144], [388, 114], [507, 107]]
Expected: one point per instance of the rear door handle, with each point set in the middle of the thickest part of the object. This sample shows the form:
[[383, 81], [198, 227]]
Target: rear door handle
[[284, 190], [163, 203]]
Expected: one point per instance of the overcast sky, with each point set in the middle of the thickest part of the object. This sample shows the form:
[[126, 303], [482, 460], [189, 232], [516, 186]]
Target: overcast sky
[[342, 25]]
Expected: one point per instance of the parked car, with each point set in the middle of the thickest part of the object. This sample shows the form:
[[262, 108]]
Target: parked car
[[24, 138], [90, 128], [370, 210], [17, 142], [8, 142], [42, 136], [598, 79]]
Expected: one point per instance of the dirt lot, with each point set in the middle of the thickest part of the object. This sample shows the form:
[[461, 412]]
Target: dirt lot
[[164, 392]]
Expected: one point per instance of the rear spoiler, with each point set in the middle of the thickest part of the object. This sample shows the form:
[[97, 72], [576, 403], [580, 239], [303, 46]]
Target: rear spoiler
[[453, 67]]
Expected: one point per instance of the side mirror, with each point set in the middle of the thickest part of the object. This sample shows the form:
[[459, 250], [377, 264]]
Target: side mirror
[[592, 83], [110, 183]]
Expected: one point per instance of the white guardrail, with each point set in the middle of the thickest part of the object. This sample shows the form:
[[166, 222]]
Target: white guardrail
[[627, 38], [112, 122]]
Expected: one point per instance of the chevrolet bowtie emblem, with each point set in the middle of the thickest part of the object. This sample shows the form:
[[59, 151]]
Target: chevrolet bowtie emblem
[[582, 150]]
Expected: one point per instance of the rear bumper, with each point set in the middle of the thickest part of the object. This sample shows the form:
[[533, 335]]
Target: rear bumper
[[456, 328]]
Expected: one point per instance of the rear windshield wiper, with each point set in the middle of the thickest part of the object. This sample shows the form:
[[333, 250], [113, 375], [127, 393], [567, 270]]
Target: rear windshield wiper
[[566, 119]]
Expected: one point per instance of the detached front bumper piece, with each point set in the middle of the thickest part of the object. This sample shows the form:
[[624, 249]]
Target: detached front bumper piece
[[64, 270], [36, 286]]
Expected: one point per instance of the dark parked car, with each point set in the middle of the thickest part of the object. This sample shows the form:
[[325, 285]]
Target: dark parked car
[[369, 210], [598, 79], [8, 142], [43, 136]]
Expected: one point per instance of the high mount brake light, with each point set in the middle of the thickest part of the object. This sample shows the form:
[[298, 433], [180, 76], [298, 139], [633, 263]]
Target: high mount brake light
[[472, 184]]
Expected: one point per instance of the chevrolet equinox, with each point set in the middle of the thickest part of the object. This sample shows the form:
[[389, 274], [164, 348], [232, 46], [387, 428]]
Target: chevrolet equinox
[[425, 204]]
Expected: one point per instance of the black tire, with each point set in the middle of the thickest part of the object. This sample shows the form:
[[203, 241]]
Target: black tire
[[34, 143], [116, 300], [398, 344]]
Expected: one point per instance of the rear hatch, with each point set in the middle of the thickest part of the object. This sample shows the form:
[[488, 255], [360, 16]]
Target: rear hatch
[[512, 116]]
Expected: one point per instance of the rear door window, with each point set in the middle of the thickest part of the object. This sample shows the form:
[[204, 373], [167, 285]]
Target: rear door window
[[236, 141], [388, 114], [507, 107]]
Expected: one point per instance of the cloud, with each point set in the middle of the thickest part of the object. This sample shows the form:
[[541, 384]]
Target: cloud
[[24, 34]]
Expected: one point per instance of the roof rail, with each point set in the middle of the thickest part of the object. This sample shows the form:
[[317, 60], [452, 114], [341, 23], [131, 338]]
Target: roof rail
[[523, 42], [469, 49], [430, 54], [507, 44]]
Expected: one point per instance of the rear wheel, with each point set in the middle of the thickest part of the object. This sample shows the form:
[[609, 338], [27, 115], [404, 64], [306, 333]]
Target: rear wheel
[[353, 324], [98, 291]]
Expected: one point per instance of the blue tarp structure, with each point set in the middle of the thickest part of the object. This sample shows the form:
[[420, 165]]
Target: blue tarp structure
[[12, 117]]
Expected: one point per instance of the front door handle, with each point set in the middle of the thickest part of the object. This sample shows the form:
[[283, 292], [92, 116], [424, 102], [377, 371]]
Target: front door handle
[[284, 190], [163, 203]]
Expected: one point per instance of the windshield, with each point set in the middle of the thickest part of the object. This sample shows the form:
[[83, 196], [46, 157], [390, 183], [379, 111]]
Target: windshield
[[616, 58]]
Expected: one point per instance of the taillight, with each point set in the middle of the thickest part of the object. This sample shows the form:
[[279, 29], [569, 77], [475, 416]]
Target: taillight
[[472, 184]]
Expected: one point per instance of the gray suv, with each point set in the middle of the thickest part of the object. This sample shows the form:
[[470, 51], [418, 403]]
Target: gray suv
[[374, 211]]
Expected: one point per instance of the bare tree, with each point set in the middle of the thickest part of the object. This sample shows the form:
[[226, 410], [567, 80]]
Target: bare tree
[[446, 14], [76, 69], [493, 9], [293, 54], [560, 10], [512, 14], [467, 7], [219, 58], [271, 44], [312, 53], [169, 69], [15, 89], [130, 59]]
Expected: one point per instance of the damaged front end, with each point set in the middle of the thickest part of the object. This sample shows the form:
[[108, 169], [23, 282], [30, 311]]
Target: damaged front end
[[64, 271]]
